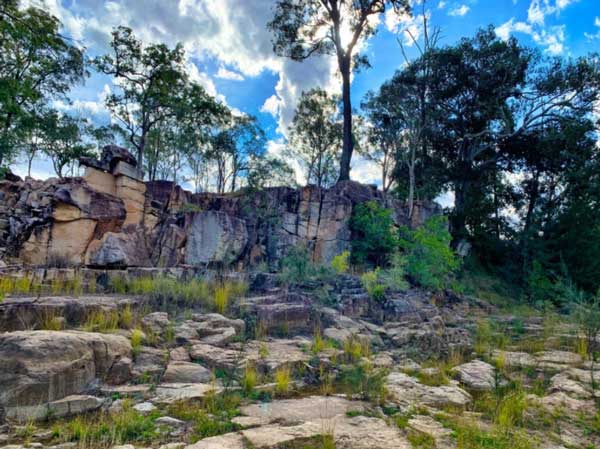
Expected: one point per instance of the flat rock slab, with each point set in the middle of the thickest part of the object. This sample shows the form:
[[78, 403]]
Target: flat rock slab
[[429, 426], [359, 432], [275, 353], [476, 375], [551, 358], [227, 441], [405, 389], [215, 357], [168, 393], [300, 410], [186, 372], [512, 359], [22, 313]]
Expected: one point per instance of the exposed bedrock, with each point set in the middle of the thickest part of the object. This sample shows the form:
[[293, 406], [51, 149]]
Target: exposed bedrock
[[110, 218]]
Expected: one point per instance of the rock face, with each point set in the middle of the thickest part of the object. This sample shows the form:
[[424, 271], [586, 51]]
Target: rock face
[[215, 237], [111, 218], [41, 367]]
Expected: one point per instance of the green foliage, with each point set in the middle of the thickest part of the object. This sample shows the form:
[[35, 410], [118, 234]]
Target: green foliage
[[104, 430], [429, 259], [37, 65], [364, 381], [283, 377], [340, 263], [374, 239], [316, 136], [371, 282], [250, 378], [297, 267], [137, 338]]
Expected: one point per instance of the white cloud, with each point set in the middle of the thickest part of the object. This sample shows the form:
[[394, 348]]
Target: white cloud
[[539, 9], [459, 11], [441, 4], [271, 106], [551, 38], [593, 36], [225, 74]]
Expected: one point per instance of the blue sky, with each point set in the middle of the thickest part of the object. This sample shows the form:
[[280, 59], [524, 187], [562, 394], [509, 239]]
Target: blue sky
[[230, 52]]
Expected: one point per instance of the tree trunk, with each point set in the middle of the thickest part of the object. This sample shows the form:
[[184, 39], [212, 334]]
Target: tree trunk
[[411, 188], [348, 144], [459, 218]]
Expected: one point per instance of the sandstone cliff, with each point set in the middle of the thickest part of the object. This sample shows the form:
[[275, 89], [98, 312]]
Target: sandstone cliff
[[111, 218]]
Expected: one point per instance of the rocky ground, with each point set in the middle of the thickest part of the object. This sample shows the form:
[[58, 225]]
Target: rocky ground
[[290, 368]]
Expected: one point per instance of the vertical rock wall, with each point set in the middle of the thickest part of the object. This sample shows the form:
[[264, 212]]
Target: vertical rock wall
[[110, 218]]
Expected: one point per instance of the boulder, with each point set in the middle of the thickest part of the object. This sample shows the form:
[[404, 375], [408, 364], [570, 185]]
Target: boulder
[[186, 372], [39, 367], [149, 363], [215, 237], [407, 390], [215, 357], [476, 375]]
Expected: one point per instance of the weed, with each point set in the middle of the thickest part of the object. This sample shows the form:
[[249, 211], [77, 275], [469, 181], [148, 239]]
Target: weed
[[137, 338], [126, 317], [51, 321], [104, 430], [355, 348], [282, 380], [263, 351], [365, 381], [318, 343], [221, 298], [102, 321], [250, 378], [419, 440]]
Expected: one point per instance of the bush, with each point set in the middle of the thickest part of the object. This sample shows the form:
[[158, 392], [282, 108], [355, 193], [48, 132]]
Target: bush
[[340, 262], [429, 259], [374, 239], [372, 284], [297, 267]]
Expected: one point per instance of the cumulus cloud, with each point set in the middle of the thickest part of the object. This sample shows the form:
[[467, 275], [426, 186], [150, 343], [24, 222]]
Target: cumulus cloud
[[271, 106], [552, 38], [459, 11], [225, 74]]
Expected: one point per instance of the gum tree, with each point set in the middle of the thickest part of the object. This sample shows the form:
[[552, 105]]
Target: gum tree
[[302, 28]]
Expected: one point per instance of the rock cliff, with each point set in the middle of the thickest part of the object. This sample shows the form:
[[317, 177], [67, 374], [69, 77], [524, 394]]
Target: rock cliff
[[110, 218]]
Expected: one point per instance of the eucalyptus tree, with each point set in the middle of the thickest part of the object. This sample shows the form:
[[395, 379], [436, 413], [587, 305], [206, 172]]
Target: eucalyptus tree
[[150, 80], [37, 65], [303, 28], [316, 136]]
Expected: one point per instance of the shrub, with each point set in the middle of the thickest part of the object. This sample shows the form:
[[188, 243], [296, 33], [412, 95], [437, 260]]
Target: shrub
[[297, 267], [340, 262], [429, 259], [370, 281], [374, 238]]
